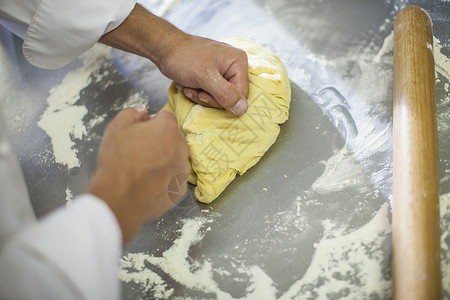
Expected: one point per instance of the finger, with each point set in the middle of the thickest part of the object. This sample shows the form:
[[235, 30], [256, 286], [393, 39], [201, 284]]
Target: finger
[[129, 116], [201, 97], [141, 108], [237, 72], [207, 98], [198, 96], [226, 93], [169, 123], [237, 75], [164, 114]]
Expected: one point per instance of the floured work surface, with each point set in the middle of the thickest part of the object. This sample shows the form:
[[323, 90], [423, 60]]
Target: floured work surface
[[261, 238], [310, 220]]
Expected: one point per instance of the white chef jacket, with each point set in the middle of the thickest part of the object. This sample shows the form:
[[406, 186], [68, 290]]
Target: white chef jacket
[[57, 31], [70, 254]]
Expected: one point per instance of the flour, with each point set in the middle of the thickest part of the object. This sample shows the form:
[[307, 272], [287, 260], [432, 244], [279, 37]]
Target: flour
[[445, 239], [341, 171], [135, 99], [338, 258], [63, 118], [69, 197], [133, 269], [62, 125], [385, 25], [386, 48], [174, 262], [441, 61]]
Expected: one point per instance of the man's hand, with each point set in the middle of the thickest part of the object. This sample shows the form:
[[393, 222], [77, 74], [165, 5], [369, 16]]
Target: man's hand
[[208, 72], [142, 167]]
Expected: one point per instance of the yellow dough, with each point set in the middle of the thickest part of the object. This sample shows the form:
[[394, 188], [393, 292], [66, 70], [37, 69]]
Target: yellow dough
[[223, 144]]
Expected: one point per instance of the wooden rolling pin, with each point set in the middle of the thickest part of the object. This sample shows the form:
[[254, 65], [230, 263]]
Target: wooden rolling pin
[[415, 217]]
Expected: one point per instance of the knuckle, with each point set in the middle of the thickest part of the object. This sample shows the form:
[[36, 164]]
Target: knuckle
[[242, 55]]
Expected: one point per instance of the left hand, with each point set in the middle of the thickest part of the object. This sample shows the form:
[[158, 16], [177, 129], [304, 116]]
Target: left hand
[[208, 72]]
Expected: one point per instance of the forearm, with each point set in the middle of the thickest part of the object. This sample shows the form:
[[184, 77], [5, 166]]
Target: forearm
[[144, 34], [208, 72]]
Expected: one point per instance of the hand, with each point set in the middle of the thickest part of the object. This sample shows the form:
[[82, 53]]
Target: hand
[[209, 73], [142, 167]]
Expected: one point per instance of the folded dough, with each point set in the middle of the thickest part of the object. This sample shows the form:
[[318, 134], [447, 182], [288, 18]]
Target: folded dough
[[223, 144]]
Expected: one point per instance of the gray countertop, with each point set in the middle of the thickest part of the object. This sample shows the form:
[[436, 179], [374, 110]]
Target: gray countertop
[[312, 218]]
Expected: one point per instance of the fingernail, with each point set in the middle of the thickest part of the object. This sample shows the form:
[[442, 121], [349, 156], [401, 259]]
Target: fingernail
[[189, 95], [240, 108], [204, 100], [141, 108], [179, 86], [152, 116]]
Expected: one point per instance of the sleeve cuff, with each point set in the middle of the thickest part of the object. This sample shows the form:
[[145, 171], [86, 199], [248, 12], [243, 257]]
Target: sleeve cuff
[[60, 30], [82, 243]]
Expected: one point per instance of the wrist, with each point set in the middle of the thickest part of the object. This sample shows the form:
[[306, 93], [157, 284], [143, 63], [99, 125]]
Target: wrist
[[146, 35]]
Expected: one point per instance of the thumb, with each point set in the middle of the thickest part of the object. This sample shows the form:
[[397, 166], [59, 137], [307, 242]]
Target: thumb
[[227, 94]]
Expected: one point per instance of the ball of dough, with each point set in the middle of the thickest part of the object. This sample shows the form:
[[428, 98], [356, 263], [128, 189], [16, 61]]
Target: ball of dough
[[223, 144]]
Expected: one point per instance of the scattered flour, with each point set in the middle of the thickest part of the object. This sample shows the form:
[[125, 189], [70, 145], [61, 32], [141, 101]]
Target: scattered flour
[[133, 269], [353, 256], [386, 48], [341, 171], [342, 265], [441, 61], [175, 263], [63, 119], [69, 197], [445, 240]]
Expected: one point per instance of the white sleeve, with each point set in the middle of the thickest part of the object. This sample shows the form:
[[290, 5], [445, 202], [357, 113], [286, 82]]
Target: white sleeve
[[70, 254], [60, 30]]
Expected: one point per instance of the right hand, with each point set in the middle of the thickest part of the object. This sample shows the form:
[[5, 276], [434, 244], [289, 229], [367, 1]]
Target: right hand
[[139, 161]]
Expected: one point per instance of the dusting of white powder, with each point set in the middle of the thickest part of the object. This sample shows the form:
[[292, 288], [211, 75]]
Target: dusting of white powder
[[69, 197], [386, 48], [335, 259], [63, 120], [445, 238], [174, 262], [442, 62], [341, 171], [333, 264]]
